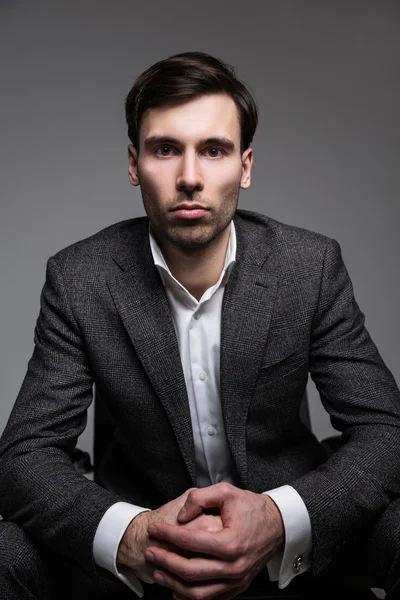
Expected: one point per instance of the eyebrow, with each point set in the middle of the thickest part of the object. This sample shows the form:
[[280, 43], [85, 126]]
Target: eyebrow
[[216, 141]]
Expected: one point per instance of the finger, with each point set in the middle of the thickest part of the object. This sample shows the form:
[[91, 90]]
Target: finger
[[206, 523], [217, 544], [193, 569], [194, 590], [203, 498]]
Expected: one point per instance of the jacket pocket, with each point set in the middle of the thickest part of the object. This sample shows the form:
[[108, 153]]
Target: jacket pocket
[[285, 365]]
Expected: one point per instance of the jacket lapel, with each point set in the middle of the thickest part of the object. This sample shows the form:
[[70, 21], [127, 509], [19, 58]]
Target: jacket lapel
[[143, 307], [246, 314]]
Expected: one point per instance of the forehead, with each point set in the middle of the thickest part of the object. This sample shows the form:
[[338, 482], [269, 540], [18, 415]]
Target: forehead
[[201, 117]]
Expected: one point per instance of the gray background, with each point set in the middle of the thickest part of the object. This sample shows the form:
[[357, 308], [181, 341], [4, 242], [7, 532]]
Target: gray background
[[325, 76]]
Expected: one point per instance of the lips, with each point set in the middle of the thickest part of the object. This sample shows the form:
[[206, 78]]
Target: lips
[[189, 211], [188, 206]]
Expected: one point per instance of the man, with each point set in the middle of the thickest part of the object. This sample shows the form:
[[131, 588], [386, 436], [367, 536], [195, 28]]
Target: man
[[198, 326]]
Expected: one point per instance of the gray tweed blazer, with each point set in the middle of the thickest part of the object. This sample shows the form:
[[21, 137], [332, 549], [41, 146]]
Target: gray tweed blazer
[[288, 311]]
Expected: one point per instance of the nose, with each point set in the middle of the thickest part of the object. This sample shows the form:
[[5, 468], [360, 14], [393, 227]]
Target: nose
[[189, 177]]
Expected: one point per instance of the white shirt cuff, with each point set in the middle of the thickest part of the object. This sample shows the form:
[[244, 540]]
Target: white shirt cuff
[[107, 539], [294, 559]]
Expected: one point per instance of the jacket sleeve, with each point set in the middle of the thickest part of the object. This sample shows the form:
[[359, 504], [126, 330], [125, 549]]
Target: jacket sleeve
[[360, 479], [39, 486]]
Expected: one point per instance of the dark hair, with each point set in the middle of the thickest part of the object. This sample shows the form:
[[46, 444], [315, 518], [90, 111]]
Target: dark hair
[[184, 76]]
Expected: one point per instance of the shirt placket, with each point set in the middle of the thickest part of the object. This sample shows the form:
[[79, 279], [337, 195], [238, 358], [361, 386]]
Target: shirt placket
[[205, 378]]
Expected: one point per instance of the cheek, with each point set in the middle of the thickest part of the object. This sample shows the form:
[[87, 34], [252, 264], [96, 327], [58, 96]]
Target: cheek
[[156, 180], [226, 178]]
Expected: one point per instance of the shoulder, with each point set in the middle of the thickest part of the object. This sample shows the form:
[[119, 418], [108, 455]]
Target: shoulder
[[99, 252], [284, 241]]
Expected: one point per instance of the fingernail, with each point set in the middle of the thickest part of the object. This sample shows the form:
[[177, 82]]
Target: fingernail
[[158, 577], [152, 530], [149, 555], [183, 512]]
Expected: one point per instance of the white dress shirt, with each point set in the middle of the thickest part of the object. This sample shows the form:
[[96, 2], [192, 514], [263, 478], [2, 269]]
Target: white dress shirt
[[198, 329]]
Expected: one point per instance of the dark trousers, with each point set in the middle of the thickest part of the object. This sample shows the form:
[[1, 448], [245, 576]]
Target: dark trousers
[[30, 572]]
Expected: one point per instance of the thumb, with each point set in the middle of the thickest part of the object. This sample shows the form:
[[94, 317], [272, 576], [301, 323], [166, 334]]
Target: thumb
[[189, 511], [197, 501]]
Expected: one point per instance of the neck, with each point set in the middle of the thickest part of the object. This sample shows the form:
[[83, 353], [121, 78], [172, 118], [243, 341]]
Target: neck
[[197, 269]]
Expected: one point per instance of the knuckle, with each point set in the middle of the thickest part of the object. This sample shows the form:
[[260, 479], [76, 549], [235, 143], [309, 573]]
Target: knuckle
[[240, 568], [233, 548], [184, 541], [188, 575], [192, 494], [247, 579], [226, 487]]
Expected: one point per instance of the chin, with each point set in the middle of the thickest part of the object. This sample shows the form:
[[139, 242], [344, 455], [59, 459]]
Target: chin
[[191, 240], [189, 243], [192, 237]]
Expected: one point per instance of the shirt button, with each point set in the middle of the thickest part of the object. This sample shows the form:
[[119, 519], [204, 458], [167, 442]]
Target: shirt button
[[197, 316], [202, 375], [218, 478], [211, 431]]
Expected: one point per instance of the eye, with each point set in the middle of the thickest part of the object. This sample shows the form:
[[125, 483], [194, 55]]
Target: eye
[[163, 150], [214, 152]]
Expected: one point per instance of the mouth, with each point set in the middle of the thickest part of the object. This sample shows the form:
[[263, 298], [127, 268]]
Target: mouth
[[189, 211]]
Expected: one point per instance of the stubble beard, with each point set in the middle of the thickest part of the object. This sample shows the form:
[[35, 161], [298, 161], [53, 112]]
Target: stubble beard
[[191, 235]]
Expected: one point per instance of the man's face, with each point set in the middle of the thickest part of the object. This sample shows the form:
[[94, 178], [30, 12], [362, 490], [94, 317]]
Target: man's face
[[190, 169]]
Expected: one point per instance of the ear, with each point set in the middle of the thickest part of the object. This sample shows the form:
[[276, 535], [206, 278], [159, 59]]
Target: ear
[[247, 162], [133, 165]]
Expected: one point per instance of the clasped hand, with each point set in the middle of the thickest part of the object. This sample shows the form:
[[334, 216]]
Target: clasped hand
[[200, 564]]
